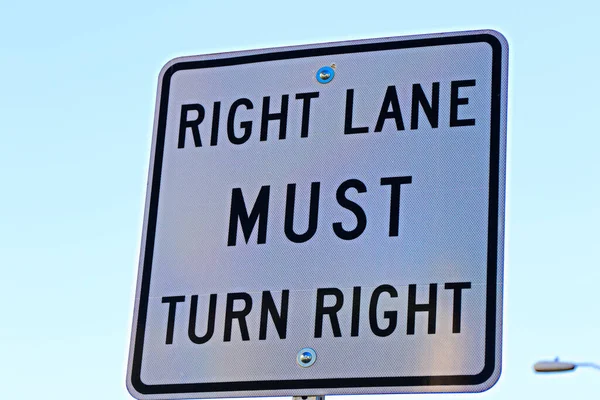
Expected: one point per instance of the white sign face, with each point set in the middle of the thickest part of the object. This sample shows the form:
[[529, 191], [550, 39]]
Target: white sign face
[[325, 219]]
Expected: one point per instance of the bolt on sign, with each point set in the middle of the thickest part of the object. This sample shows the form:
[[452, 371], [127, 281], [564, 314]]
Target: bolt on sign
[[325, 219]]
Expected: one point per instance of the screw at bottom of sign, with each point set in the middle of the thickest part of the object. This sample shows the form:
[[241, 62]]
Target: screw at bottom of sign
[[306, 357]]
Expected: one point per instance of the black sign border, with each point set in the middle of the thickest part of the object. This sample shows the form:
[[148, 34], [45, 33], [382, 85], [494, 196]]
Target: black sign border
[[492, 254]]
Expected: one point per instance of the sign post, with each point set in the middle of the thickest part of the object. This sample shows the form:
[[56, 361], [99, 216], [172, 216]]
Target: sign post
[[325, 219]]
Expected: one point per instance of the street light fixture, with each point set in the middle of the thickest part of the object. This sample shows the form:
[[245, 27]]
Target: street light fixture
[[560, 366]]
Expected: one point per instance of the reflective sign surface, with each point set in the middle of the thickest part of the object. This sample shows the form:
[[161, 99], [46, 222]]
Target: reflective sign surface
[[325, 219]]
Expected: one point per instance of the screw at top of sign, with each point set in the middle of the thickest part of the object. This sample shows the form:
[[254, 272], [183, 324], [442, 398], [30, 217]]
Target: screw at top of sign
[[325, 74]]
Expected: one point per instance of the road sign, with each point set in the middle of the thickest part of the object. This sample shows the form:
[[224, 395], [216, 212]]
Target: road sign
[[325, 219]]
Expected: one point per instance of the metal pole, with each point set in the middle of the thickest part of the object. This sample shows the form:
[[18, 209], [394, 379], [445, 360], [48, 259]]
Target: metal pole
[[308, 398]]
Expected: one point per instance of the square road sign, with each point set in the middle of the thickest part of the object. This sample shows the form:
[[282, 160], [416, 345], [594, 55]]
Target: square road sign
[[325, 219]]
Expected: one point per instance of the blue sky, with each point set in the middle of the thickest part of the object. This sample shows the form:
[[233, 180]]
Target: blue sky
[[76, 108]]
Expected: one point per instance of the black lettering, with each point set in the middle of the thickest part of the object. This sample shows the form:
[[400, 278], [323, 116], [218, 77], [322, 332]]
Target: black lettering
[[184, 123], [395, 183], [361, 217], [240, 315], [210, 325], [430, 308], [279, 318], [391, 316], [214, 135], [390, 99], [280, 116], [172, 300], [355, 311], [259, 213], [245, 125], [457, 288], [306, 98], [348, 129], [313, 213], [432, 110], [456, 101], [330, 310]]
